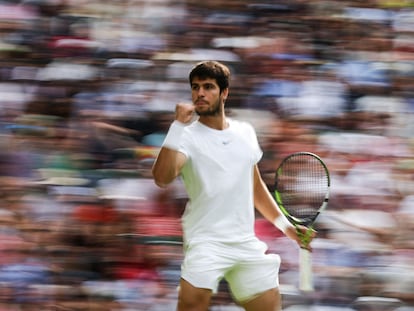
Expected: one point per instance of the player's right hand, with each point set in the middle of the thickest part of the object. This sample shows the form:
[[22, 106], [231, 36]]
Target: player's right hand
[[184, 112]]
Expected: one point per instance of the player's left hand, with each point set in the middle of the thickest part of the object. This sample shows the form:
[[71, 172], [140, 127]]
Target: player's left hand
[[302, 235]]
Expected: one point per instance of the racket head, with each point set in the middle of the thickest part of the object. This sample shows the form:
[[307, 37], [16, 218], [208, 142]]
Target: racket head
[[301, 187]]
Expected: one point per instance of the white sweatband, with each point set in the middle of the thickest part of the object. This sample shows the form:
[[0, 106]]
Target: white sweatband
[[282, 223], [172, 140]]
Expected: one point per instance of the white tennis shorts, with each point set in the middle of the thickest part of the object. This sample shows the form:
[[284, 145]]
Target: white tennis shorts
[[245, 266]]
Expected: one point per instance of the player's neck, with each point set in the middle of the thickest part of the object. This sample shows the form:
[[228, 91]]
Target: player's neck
[[215, 122]]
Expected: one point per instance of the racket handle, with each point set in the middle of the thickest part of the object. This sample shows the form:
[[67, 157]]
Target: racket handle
[[305, 270]]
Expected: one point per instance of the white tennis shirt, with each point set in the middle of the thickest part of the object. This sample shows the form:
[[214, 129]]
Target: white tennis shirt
[[218, 177]]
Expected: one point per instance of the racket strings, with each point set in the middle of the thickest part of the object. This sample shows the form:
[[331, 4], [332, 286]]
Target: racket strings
[[302, 183]]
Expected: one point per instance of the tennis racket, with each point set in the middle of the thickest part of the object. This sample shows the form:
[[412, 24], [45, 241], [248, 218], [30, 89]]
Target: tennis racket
[[301, 190]]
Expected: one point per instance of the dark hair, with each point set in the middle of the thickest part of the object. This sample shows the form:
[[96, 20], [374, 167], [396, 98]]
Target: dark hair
[[214, 70]]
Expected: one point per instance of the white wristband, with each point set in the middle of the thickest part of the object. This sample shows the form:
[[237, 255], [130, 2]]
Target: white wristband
[[172, 140], [282, 223]]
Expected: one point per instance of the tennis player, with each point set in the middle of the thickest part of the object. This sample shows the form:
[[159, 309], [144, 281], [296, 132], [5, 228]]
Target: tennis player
[[217, 158]]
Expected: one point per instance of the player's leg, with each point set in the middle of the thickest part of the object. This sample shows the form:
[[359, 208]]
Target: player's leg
[[191, 298], [254, 281], [203, 267], [270, 300]]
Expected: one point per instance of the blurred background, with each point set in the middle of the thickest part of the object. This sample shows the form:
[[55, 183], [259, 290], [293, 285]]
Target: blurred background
[[88, 90]]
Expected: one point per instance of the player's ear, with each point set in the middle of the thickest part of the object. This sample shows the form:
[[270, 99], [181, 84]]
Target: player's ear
[[225, 93]]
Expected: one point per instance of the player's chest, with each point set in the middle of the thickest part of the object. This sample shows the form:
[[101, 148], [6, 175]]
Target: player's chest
[[229, 151]]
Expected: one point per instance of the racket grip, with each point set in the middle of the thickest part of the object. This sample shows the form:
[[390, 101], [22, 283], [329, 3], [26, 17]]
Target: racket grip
[[305, 270]]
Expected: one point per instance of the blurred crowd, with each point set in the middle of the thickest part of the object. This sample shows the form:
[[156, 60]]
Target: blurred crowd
[[88, 90]]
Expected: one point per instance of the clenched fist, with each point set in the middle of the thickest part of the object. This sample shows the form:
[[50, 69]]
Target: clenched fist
[[184, 112]]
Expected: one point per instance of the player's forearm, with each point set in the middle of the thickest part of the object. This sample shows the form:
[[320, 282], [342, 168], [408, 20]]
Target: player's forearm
[[269, 209], [267, 206], [263, 200]]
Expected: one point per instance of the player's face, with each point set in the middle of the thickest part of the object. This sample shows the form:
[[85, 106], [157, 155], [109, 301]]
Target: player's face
[[206, 96]]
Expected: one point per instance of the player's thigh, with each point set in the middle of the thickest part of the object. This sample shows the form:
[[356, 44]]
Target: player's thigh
[[191, 298], [254, 276], [269, 300]]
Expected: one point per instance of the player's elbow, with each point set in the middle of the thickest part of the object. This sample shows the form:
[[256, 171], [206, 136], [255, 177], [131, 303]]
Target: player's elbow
[[160, 183], [164, 173], [160, 180]]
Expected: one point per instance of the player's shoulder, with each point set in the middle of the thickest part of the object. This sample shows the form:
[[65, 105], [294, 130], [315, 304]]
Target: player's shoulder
[[240, 124], [195, 129]]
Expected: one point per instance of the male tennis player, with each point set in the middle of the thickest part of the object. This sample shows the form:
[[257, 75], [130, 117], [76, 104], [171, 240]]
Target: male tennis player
[[217, 159]]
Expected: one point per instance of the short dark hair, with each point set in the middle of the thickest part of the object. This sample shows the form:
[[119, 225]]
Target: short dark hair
[[214, 70]]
